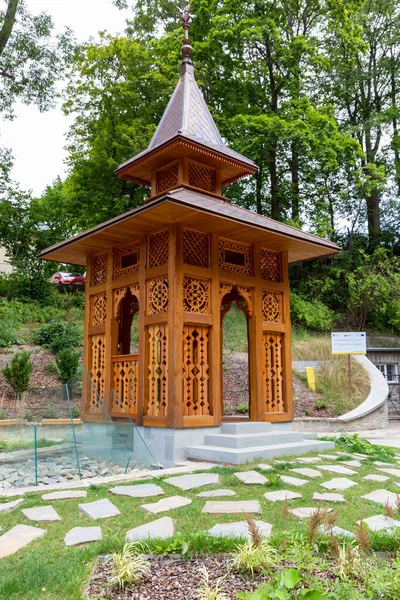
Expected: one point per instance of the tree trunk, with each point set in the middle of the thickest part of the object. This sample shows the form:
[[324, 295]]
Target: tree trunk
[[396, 140], [273, 174], [8, 24], [374, 227], [294, 167], [259, 181]]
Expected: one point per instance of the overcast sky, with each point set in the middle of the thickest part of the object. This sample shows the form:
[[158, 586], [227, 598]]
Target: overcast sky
[[38, 139]]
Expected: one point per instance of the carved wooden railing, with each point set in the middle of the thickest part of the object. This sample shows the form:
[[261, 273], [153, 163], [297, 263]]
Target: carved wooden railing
[[125, 376]]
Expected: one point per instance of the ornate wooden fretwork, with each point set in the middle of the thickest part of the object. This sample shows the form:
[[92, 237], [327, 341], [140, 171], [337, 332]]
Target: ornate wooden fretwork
[[158, 371], [98, 309], [273, 373], [196, 248], [271, 262], [196, 293], [126, 259], [196, 371], [99, 268], [247, 295], [158, 249], [135, 290], [271, 306], [202, 177], [119, 295], [224, 289], [158, 295], [125, 385], [235, 257], [97, 369], [167, 179]]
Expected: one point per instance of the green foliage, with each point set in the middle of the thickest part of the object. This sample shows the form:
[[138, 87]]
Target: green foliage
[[251, 557], [206, 591], [3, 414], [352, 443], [75, 412], [50, 411], [242, 408], [28, 417], [67, 361], [18, 372], [286, 586], [57, 336], [129, 567], [319, 404], [314, 315]]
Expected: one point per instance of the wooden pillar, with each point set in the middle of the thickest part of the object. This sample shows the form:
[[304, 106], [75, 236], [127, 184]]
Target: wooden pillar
[[287, 348], [216, 337], [256, 346], [108, 337], [143, 342], [86, 341]]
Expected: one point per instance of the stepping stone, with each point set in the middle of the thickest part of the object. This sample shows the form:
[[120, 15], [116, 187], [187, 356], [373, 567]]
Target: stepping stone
[[380, 523], [99, 509], [326, 530], [281, 495], [394, 472], [309, 459], [328, 497], [265, 467], [251, 477], [359, 456], [382, 497], [337, 469], [351, 463], [328, 456], [232, 507], [383, 464], [305, 512], [7, 506], [216, 494], [338, 483], [373, 477], [239, 529], [166, 504], [294, 480], [82, 535], [137, 491], [65, 495], [161, 528], [18, 537], [307, 472], [190, 482], [41, 514]]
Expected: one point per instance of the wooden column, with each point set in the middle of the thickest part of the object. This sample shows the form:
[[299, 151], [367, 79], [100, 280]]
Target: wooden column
[[216, 337], [287, 348], [108, 337], [256, 348], [86, 342], [143, 342]]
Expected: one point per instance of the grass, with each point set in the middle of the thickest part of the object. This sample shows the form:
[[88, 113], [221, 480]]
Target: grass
[[46, 569], [20, 444], [235, 331]]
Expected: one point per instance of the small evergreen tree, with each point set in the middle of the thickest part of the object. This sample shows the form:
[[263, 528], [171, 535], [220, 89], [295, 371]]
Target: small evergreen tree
[[18, 374], [67, 362]]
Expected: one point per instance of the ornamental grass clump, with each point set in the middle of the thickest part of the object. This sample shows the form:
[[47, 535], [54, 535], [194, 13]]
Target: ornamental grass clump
[[256, 554], [129, 567], [206, 591]]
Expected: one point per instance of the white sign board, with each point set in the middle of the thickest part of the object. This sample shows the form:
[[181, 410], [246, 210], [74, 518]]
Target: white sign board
[[352, 342]]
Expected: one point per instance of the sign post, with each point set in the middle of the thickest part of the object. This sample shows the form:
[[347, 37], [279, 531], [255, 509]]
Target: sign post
[[351, 342]]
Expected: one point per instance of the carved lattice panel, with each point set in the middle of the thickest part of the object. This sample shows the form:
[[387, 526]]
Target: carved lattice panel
[[167, 178], [126, 259], [273, 373], [271, 307], [158, 370], [202, 177], [97, 370], [196, 400], [125, 385], [158, 249], [98, 309], [235, 257], [99, 268], [196, 295], [271, 265], [196, 248], [158, 295]]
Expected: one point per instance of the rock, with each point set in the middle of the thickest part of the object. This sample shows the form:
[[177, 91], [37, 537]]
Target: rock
[[251, 477], [138, 491], [65, 495], [306, 472], [381, 523], [82, 535], [337, 531], [161, 528], [48, 481], [216, 494], [6, 485], [99, 509], [281, 495], [41, 514], [382, 497], [328, 497], [239, 530], [373, 477], [294, 481], [305, 512], [337, 469], [166, 504], [338, 483], [190, 482], [232, 507], [18, 537], [8, 506]]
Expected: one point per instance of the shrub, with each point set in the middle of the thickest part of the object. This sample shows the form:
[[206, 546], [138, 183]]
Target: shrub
[[28, 417], [51, 368], [18, 373], [3, 414], [313, 314], [8, 335], [50, 412], [75, 412], [319, 404], [129, 567], [67, 361], [242, 408], [58, 335]]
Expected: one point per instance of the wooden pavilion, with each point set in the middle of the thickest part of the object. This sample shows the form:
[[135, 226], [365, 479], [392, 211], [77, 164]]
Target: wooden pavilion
[[179, 262]]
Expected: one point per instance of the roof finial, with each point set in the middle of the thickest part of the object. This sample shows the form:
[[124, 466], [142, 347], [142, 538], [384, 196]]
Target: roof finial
[[186, 19]]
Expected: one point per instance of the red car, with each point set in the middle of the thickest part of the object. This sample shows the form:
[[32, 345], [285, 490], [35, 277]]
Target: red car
[[68, 280]]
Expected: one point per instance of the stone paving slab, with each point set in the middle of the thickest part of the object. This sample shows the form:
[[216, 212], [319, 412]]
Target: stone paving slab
[[232, 507], [137, 491], [190, 482], [281, 495], [309, 459], [65, 495], [265, 467], [305, 512], [337, 469], [160, 528], [328, 497], [351, 463], [307, 472], [295, 481], [82, 535], [382, 497], [18, 537], [41, 514], [380, 463], [7, 506], [394, 472], [373, 477], [239, 529], [381, 523], [326, 530], [216, 494], [251, 477], [99, 509], [328, 456], [166, 504], [338, 483]]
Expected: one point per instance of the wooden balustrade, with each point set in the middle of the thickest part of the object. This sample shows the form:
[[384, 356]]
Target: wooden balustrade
[[125, 378]]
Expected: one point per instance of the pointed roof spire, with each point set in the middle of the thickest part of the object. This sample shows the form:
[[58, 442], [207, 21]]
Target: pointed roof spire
[[186, 19]]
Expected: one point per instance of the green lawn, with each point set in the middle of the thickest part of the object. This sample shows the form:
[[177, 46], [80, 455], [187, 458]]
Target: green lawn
[[46, 569]]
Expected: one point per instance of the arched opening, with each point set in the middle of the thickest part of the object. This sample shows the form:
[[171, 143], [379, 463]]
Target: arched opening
[[128, 329], [235, 392]]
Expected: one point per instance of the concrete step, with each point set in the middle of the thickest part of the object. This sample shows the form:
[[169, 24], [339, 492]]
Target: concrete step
[[246, 440], [245, 427], [237, 456]]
